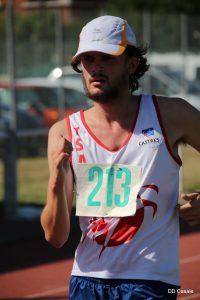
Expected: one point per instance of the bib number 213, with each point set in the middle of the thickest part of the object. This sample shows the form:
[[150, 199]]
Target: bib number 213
[[97, 174], [104, 190]]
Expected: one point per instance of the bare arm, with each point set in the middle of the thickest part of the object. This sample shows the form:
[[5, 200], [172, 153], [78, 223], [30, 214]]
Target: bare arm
[[55, 218], [182, 124], [189, 122]]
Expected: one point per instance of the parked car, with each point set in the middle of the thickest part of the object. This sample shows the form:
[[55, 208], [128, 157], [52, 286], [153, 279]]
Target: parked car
[[26, 117], [57, 99], [46, 99], [39, 104]]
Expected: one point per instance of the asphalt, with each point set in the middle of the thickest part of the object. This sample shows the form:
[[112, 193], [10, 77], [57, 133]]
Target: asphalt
[[22, 242]]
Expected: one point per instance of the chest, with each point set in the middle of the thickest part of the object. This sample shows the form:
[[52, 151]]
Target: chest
[[112, 138]]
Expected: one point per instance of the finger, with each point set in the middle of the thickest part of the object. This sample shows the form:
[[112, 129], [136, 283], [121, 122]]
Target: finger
[[188, 212], [184, 207], [189, 216], [189, 197]]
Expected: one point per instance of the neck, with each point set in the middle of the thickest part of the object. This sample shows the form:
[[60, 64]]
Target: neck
[[120, 111]]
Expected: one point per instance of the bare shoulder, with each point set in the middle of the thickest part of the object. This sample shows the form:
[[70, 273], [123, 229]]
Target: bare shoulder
[[174, 105], [182, 118], [178, 110], [59, 129]]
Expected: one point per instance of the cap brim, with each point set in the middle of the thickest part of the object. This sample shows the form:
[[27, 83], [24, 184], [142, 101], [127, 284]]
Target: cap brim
[[114, 50]]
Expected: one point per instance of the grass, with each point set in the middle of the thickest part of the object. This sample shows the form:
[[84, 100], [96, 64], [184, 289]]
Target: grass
[[191, 169], [33, 176], [32, 180]]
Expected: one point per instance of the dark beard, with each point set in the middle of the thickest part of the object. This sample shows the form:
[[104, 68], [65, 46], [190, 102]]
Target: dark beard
[[111, 93]]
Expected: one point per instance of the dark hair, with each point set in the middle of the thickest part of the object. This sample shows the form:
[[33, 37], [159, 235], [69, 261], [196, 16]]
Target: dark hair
[[75, 65], [142, 68]]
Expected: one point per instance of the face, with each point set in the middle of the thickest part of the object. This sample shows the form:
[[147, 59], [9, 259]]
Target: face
[[105, 77]]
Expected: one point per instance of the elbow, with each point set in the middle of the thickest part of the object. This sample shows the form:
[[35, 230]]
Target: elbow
[[55, 241], [56, 236]]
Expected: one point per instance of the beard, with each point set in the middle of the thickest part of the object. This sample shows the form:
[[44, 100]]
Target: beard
[[111, 93]]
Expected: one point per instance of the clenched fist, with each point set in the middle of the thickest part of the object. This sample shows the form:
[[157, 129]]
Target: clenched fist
[[190, 211], [59, 153]]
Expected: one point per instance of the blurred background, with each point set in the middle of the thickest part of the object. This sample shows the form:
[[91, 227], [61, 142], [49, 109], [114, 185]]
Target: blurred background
[[38, 86]]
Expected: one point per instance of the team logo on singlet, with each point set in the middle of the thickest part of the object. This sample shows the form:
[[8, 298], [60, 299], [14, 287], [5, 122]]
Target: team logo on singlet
[[150, 137], [148, 132], [111, 232]]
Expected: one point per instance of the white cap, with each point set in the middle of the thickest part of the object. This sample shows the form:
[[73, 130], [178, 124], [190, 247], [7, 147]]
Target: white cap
[[106, 34]]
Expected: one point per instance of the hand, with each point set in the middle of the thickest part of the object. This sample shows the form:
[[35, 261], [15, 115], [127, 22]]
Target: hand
[[190, 211], [59, 156]]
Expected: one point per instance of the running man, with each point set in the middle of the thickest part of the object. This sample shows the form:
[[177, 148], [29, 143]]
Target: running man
[[121, 158]]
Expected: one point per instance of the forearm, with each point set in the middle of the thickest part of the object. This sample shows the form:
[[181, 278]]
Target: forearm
[[55, 218]]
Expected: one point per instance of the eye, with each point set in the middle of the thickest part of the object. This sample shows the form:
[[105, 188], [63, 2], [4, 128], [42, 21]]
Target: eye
[[107, 57], [87, 59]]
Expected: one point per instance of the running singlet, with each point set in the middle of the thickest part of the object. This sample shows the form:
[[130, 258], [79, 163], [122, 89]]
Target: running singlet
[[143, 245]]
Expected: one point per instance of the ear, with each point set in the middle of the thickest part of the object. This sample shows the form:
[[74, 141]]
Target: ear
[[133, 64]]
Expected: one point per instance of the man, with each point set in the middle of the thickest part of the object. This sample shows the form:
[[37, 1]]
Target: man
[[122, 155]]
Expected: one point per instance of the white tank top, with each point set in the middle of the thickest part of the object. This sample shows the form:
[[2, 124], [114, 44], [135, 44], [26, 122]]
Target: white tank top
[[146, 245]]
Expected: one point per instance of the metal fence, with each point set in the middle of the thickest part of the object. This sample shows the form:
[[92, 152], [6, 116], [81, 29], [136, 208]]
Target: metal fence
[[51, 41]]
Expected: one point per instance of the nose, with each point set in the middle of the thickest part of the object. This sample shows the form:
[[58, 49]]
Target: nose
[[97, 64], [93, 63]]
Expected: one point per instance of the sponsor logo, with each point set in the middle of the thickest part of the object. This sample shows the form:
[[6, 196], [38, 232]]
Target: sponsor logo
[[148, 137], [148, 132], [150, 141]]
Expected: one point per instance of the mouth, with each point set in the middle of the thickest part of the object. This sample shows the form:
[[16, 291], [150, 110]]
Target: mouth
[[97, 81]]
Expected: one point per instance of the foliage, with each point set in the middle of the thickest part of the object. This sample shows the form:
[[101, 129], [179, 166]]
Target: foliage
[[169, 6], [30, 26], [35, 25], [37, 44], [2, 26]]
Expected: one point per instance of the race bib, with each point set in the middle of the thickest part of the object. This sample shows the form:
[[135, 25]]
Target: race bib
[[105, 190]]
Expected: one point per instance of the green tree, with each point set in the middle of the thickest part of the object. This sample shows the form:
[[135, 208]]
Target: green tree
[[165, 6]]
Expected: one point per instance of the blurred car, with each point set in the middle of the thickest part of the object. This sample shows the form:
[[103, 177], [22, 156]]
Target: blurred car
[[39, 104], [161, 83], [45, 100], [26, 117], [56, 99]]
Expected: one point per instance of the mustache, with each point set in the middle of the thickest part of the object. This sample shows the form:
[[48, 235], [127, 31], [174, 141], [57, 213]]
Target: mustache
[[98, 76]]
